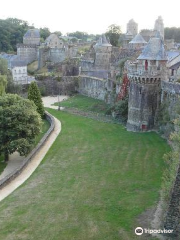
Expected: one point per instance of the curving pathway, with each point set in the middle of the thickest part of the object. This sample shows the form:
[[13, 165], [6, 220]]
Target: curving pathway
[[38, 157]]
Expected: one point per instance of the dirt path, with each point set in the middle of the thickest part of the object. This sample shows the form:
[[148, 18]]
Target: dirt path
[[49, 101]]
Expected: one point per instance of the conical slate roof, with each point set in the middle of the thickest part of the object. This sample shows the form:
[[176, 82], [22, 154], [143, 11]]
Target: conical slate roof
[[138, 39], [154, 50], [103, 41]]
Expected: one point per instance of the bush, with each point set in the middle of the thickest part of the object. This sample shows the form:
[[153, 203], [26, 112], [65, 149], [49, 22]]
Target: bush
[[121, 109]]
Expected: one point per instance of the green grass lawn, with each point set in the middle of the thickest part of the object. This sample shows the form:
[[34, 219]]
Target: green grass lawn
[[85, 103], [94, 182]]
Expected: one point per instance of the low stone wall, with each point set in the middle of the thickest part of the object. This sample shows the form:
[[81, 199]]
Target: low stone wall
[[27, 160], [66, 86]]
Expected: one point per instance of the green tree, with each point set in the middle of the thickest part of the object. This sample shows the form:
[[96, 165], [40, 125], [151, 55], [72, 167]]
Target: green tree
[[172, 33], [19, 125], [44, 33], [80, 35], [35, 96], [113, 33], [3, 84], [6, 80], [12, 31], [58, 33]]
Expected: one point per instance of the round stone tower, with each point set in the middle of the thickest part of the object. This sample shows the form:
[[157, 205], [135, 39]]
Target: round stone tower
[[132, 27], [159, 26], [145, 77], [103, 51]]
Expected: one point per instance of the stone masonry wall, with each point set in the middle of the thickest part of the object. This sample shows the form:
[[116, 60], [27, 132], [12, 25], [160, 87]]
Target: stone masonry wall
[[171, 93], [92, 87]]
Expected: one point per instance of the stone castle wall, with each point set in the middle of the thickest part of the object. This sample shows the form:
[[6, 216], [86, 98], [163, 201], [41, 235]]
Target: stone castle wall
[[27, 53], [57, 55], [92, 87], [171, 94]]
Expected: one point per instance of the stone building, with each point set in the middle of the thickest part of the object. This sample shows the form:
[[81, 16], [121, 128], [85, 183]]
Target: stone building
[[28, 51], [32, 37], [137, 43], [132, 27], [159, 26], [103, 51], [125, 39], [147, 34], [19, 73], [145, 77], [53, 41]]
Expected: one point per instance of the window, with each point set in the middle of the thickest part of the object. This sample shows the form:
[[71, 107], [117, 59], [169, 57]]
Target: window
[[146, 65]]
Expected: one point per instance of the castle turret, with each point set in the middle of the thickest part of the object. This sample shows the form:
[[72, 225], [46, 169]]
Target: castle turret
[[103, 50], [132, 27], [145, 77], [159, 26]]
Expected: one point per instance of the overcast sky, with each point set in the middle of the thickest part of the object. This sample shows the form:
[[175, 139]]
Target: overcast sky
[[92, 16]]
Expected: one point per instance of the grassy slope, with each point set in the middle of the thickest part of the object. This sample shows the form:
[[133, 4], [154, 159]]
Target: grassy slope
[[85, 103], [45, 128], [93, 183]]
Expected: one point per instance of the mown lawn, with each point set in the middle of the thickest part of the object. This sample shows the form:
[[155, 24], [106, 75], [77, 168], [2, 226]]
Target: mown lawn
[[94, 182], [85, 103]]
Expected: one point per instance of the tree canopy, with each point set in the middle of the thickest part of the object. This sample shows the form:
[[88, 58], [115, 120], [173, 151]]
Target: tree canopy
[[12, 31], [172, 33], [80, 35], [35, 96], [44, 33], [19, 125], [113, 33]]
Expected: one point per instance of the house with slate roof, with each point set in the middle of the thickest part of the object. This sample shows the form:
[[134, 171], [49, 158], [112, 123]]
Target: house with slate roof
[[137, 43], [28, 51]]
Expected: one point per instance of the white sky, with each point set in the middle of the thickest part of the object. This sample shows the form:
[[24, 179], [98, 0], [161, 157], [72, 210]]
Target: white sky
[[92, 16]]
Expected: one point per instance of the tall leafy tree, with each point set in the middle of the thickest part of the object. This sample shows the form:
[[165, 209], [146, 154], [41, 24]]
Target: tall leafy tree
[[12, 31], [44, 33], [114, 33], [35, 96], [3, 84], [19, 125]]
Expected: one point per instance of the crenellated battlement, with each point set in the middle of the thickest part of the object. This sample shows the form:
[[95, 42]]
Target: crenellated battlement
[[144, 79]]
